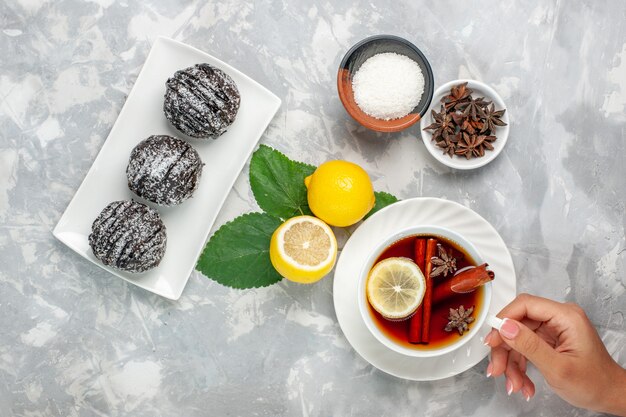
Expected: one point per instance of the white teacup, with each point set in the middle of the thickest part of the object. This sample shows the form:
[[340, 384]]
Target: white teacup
[[363, 303]]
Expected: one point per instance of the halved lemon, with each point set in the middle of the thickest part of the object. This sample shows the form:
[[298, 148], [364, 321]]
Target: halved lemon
[[395, 288], [303, 249]]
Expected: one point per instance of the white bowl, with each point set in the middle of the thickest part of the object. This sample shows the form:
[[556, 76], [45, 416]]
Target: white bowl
[[456, 161], [362, 297]]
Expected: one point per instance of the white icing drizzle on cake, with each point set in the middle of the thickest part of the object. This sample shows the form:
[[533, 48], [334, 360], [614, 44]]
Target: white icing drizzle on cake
[[201, 101], [164, 170], [128, 235]]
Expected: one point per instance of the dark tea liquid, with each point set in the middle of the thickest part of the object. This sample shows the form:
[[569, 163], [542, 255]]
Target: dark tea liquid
[[398, 331]]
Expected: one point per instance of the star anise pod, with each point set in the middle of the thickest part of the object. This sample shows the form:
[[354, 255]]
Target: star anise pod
[[477, 124], [473, 109], [459, 94], [458, 118], [465, 126], [468, 127], [481, 143], [448, 144], [492, 119], [469, 146], [444, 264], [485, 142], [459, 319], [442, 124]]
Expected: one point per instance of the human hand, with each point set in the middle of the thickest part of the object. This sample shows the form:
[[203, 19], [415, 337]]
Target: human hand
[[562, 343]]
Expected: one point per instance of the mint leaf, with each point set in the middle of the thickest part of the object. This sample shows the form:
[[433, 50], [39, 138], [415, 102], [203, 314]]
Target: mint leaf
[[238, 253], [277, 183], [383, 199]]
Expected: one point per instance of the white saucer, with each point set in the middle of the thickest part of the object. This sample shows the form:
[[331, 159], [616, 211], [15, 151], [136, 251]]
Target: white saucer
[[413, 212]]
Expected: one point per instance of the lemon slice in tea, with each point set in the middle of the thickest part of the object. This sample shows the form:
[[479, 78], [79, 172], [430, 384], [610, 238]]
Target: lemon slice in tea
[[303, 249], [395, 288]]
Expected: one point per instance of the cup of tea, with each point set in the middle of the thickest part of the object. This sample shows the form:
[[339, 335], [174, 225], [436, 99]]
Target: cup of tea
[[461, 260]]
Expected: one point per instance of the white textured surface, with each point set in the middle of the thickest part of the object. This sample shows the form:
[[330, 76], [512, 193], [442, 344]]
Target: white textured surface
[[555, 195]]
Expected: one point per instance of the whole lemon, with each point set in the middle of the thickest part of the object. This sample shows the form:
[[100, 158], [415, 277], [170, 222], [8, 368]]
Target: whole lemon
[[340, 193]]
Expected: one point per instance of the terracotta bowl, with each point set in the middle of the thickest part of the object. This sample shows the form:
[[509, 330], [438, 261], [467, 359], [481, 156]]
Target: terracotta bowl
[[365, 49]]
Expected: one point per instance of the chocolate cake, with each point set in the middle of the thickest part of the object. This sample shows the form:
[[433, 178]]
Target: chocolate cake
[[129, 236], [164, 170], [201, 101]]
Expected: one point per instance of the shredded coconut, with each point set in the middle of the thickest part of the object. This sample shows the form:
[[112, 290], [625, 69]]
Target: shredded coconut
[[388, 86]]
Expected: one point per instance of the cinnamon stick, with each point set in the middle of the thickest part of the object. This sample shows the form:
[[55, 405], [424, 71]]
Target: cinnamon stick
[[463, 282], [431, 247], [415, 322]]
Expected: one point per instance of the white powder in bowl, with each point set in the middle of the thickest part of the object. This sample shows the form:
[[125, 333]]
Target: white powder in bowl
[[388, 86]]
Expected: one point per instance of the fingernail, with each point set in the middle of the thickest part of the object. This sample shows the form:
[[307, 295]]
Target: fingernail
[[526, 394], [489, 369], [509, 387], [509, 329], [487, 339]]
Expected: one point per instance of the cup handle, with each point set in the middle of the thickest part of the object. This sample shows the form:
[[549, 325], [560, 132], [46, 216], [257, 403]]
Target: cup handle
[[494, 321]]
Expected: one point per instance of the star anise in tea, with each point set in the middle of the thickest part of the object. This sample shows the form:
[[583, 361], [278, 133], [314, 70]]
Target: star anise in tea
[[465, 126], [459, 319], [444, 263]]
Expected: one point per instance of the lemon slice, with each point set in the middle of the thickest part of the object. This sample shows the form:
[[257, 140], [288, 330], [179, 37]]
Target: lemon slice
[[395, 288], [303, 249]]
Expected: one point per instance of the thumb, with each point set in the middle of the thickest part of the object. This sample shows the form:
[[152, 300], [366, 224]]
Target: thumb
[[529, 344]]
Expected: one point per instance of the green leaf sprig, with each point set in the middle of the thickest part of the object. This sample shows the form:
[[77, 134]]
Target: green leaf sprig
[[237, 255], [383, 199], [278, 183]]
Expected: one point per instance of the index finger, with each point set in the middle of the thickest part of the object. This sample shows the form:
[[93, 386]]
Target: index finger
[[528, 309], [493, 339], [532, 307]]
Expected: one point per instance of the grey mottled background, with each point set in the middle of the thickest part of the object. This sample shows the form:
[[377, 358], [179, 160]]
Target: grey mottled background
[[76, 341]]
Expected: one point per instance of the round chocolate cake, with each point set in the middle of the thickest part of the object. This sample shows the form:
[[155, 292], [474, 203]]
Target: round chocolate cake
[[128, 235], [201, 101], [164, 170]]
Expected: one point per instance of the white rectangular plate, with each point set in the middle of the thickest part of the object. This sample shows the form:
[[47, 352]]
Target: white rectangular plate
[[189, 223]]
